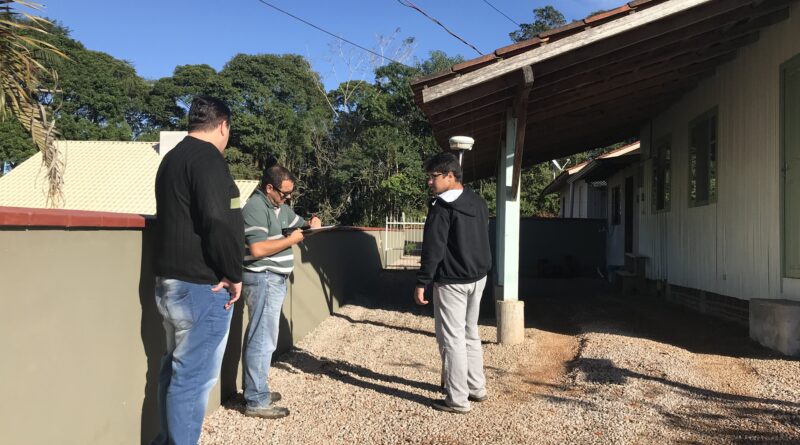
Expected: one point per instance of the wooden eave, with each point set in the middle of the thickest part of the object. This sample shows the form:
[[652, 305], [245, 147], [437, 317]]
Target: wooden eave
[[596, 80]]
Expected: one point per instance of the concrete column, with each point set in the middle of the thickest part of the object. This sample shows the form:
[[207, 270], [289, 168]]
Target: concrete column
[[509, 310]]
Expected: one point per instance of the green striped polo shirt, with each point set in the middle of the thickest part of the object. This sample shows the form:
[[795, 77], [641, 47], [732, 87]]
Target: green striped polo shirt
[[264, 221]]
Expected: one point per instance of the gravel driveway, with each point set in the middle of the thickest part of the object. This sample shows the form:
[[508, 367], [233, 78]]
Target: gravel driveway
[[599, 370]]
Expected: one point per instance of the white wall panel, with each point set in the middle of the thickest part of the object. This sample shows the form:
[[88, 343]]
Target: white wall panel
[[731, 247]]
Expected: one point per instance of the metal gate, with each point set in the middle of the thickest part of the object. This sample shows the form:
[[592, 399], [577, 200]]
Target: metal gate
[[402, 242]]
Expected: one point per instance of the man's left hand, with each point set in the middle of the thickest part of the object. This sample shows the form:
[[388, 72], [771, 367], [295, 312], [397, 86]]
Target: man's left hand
[[315, 222], [234, 290]]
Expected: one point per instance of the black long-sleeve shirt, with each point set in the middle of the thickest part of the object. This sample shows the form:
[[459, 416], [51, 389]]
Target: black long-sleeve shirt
[[200, 231], [455, 244]]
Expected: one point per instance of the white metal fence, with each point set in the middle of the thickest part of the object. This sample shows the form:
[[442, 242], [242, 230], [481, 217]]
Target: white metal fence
[[402, 242]]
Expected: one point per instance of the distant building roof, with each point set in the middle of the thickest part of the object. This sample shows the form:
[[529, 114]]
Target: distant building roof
[[572, 173], [102, 176]]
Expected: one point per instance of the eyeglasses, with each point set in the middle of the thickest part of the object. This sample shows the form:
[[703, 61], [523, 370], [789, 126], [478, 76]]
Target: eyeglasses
[[433, 176], [282, 194]]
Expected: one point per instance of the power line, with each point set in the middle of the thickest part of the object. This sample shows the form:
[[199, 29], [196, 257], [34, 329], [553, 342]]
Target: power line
[[408, 3], [501, 12], [330, 33]]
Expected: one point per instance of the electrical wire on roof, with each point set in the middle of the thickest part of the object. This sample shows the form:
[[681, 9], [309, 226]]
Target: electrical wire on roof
[[330, 33], [501, 13], [408, 4]]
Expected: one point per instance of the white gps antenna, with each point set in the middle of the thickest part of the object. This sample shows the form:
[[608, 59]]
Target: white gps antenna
[[462, 144]]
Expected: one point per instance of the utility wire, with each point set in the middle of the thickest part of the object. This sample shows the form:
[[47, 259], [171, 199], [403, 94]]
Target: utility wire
[[408, 3], [501, 12], [330, 33]]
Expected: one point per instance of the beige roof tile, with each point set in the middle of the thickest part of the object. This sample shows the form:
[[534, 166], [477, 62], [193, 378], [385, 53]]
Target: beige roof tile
[[103, 176]]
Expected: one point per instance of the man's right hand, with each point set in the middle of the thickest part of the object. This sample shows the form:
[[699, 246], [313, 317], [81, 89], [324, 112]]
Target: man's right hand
[[296, 236], [234, 290]]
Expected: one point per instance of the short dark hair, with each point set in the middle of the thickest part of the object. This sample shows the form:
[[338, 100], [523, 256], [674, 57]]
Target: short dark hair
[[444, 162], [275, 175], [207, 112]]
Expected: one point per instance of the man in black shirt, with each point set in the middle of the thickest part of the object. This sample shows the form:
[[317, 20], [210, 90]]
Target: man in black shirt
[[199, 251], [456, 259]]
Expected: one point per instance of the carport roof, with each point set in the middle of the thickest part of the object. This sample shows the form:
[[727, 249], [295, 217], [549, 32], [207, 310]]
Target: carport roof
[[596, 81]]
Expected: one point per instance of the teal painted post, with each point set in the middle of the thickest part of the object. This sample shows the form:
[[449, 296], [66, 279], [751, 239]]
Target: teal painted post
[[507, 241]]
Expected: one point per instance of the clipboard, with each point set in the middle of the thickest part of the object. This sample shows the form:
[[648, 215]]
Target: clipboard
[[308, 230]]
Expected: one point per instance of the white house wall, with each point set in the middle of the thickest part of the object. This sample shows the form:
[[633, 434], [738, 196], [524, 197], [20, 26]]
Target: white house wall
[[731, 247]]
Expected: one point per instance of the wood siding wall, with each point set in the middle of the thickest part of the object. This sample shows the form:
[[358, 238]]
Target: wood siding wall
[[731, 247]]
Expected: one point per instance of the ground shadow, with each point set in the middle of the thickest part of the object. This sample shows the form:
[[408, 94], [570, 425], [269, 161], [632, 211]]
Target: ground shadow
[[387, 326], [710, 424], [641, 316], [301, 361]]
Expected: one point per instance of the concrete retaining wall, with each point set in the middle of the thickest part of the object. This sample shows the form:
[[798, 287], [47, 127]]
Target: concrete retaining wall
[[82, 336]]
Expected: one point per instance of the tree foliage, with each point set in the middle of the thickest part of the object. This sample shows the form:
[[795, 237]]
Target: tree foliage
[[544, 18], [101, 98], [356, 151]]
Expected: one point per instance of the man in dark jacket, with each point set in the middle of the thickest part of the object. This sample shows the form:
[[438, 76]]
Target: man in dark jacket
[[455, 258], [199, 251]]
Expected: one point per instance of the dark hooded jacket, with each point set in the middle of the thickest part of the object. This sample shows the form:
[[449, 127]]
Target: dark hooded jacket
[[455, 246]]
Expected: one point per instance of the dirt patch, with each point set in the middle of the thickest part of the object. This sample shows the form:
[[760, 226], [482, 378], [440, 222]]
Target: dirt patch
[[543, 372], [728, 375]]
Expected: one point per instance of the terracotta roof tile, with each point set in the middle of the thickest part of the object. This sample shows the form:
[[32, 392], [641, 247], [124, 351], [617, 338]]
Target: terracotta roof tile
[[641, 4], [519, 47], [432, 79], [563, 31], [608, 15], [475, 63]]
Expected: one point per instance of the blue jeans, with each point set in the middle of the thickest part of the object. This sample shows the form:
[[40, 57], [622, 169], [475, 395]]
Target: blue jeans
[[197, 325], [264, 293]]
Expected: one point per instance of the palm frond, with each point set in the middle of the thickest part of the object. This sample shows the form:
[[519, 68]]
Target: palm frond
[[22, 78]]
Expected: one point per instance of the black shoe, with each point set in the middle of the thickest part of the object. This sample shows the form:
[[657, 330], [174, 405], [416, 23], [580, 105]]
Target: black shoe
[[442, 405], [267, 412], [483, 398], [274, 396]]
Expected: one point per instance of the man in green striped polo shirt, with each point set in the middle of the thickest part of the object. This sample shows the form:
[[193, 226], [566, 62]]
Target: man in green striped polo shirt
[[267, 265]]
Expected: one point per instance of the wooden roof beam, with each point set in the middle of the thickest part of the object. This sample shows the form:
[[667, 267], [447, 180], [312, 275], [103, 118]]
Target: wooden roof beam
[[604, 38], [520, 113]]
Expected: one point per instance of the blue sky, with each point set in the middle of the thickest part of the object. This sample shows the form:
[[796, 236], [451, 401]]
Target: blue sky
[[158, 35]]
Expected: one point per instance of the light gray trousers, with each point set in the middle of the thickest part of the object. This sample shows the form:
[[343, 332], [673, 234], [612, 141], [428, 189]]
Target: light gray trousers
[[455, 309]]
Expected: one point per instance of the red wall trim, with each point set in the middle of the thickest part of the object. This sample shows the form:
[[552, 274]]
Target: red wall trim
[[25, 217]]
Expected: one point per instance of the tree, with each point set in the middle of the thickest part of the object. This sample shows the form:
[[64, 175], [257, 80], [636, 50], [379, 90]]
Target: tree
[[22, 84], [16, 144], [168, 100], [101, 97], [381, 139], [544, 18]]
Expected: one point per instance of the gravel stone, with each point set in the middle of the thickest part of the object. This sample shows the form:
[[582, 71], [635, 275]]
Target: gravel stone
[[368, 375]]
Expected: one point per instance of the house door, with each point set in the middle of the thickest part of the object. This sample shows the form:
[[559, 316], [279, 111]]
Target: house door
[[629, 214], [790, 130]]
